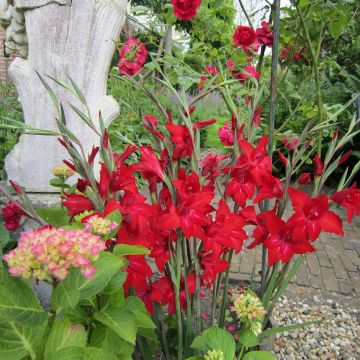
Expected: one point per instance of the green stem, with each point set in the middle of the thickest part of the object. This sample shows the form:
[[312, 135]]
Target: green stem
[[197, 292], [177, 299], [225, 289], [313, 54]]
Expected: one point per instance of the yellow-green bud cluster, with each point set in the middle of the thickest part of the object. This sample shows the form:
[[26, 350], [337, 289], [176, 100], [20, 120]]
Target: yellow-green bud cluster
[[100, 226], [62, 171], [214, 355], [248, 307]]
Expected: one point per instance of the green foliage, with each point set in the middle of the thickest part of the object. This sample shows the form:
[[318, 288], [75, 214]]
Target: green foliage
[[89, 319], [10, 108], [215, 338]]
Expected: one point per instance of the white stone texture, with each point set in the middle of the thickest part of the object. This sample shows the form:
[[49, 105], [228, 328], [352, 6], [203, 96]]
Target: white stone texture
[[74, 40]]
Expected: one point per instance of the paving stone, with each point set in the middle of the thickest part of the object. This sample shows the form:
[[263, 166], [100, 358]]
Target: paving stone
[[303, 276], [347, 244], [353, 256], [356, 246], [346, 287], [329, 279], [338, 267], [336, 242], [323, 259], [355, 279], [246, 263], [313, 264], [347, 263], [316, 282]]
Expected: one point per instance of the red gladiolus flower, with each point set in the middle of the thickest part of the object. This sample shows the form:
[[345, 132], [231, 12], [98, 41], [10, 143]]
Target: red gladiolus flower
[[226, 231], [190, 214], [290, 143], [241, 188], [349, 199], [210, 165], [282, 242], [77, 204], [132, 57], [304, 179], [122, 179], [345, 157], [313, 215], [202, 123], [318, 165], [248, 72], [185, 9], [138, 271], [211, 265], [269, 187], [244, 36], [283, 159], [149, 166], [181, 137], [82, 184], [226, 135], [93, 154], [150, 123], [264, 34], [104, 182], [209, 73], [257, 116], [12, 216], [16, 187]]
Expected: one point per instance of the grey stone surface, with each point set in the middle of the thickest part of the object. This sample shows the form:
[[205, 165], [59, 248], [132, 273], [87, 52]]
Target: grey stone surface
[[75, 40]]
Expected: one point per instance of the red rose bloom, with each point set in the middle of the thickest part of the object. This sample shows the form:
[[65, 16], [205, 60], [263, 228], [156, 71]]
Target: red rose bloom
[[244, 36], [12, 215], [185, 9], [132, 57], [264, 34]]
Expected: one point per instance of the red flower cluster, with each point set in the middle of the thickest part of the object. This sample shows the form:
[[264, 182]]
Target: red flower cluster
[[185, 9], [12, 216], [132, 57], [249, 39]]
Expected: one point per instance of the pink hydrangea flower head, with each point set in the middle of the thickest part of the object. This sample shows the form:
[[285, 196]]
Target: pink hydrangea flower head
[[51, 252]]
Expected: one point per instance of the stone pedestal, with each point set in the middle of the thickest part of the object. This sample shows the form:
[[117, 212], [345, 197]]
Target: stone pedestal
[[66, 37]]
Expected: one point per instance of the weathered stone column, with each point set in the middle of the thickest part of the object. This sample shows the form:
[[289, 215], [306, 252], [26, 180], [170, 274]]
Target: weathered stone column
[[65, 37]]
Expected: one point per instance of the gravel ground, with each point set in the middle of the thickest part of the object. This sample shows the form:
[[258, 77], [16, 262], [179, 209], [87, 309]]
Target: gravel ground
[[336, 337]]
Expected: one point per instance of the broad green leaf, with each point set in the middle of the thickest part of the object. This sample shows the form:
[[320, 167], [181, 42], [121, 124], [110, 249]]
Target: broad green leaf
[[248, 338], [18, 302], [116, 283], [91, 353], [115, 216], [66, 341], [78, 315], [125, 250], [65, 295], [104, 338], [18, 341], [258, 355], [195, 358], [106, 267], [54, 215], [125, 350], [121, 321], [4, 235], [215, 338], [137, 307], [56, 182]]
